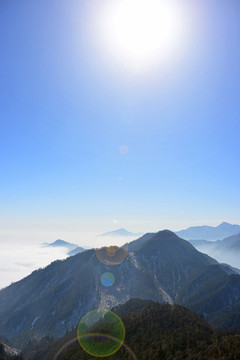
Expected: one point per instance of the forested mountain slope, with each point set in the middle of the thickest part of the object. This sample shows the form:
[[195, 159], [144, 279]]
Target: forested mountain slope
[[153, 331]]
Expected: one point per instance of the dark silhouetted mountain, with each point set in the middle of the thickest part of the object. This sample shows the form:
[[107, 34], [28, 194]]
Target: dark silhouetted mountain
[[120, 232], [137, 244], [164, 268], [227, 318], [208, 290], [153, 331], [209, 232]]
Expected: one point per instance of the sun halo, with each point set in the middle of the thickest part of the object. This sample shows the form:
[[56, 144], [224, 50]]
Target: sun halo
[[140, 33]]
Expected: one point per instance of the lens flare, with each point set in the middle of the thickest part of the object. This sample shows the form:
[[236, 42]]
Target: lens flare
[[74, 340], [107, 279], [112, 255], [123, 149], [101, 333]]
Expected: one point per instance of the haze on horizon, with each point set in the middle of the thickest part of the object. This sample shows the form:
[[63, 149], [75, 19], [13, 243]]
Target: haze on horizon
[[89, 144], [19, 259]]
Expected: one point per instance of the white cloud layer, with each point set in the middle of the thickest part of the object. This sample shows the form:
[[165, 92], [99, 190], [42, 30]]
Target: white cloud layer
[[18, 261], [23, 253]]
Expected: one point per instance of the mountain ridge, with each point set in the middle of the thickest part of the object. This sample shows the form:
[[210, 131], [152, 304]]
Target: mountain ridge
[[73, 249], [61, 243], [51, 301], [120, 232], [211, 233], [226, 250]]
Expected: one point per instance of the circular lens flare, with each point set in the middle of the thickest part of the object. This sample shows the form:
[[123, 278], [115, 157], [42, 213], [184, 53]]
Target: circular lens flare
[[101, 333], [123, 149], [74, 340], [112, 255], [107, 279]]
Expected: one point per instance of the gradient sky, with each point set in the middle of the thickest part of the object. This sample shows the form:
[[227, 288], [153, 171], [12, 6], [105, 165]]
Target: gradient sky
[[66, 108]]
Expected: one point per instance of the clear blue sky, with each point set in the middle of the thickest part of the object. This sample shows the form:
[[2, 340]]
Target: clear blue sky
[[66, 108]]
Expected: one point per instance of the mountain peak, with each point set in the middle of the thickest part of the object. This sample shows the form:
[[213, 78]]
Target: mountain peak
[[120, 232], [167, 233], [154, 238], [61, 243], [165, 241], [58, 242], [211, 233], [226, 225]]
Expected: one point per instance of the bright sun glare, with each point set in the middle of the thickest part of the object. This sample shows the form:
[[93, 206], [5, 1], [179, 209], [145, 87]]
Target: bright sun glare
[[141, 33]]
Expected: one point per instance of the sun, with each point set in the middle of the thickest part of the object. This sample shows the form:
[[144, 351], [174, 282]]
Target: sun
[[141, 33]]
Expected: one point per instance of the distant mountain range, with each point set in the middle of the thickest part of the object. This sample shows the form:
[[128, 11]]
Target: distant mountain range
[[209, 232], [120, 232], [73, 249], [159, 266], [231, 243], [226, 250]]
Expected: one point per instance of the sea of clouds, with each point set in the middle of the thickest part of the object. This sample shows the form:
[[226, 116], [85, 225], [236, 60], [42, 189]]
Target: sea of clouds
[[20, 260], [20, 255]]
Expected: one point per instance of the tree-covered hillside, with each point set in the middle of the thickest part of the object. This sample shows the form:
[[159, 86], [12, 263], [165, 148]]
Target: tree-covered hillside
[[153, 331]]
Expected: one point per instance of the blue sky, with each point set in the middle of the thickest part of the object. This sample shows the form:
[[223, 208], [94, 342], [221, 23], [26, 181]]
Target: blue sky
[[66, 108]]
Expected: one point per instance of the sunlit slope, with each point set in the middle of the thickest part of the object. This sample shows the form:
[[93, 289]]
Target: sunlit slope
[[7, 352]]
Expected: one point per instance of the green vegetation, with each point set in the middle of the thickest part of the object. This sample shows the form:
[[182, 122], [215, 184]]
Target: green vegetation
[[154, 331], [101, 332]]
